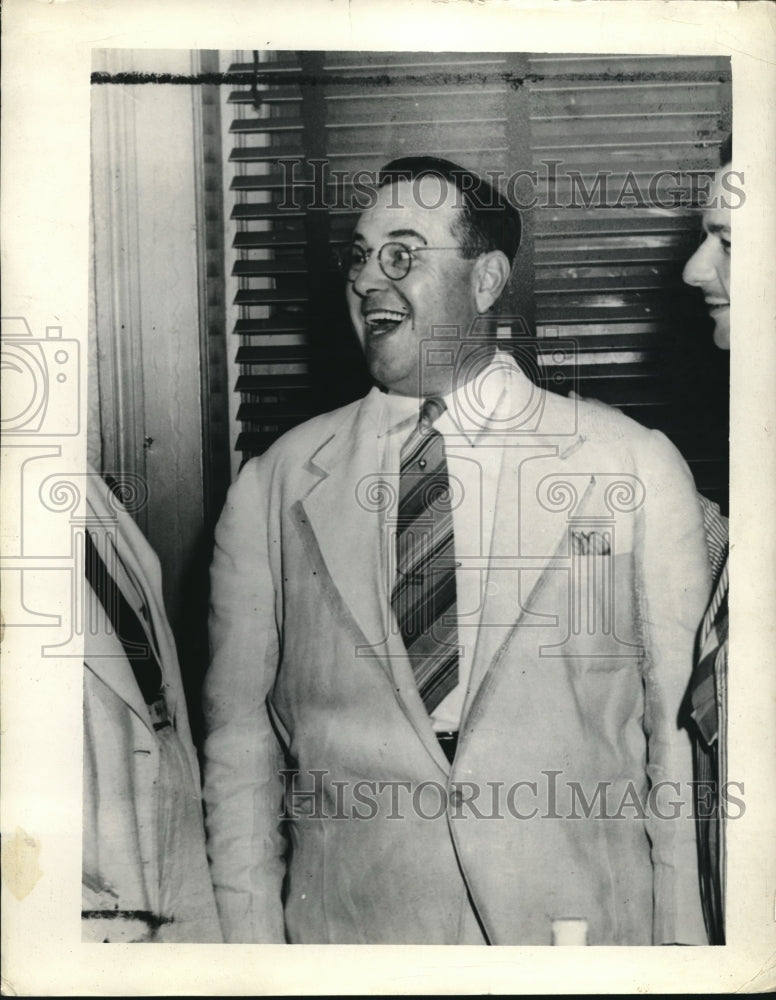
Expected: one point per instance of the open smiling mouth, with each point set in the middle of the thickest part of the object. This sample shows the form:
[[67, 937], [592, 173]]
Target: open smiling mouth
[[381, 321]]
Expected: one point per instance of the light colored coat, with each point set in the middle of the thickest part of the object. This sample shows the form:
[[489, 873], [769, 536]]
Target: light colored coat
[[122, 853], [597, 579]]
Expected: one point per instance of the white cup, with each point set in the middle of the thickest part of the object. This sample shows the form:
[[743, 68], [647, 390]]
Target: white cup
[[569, 931]]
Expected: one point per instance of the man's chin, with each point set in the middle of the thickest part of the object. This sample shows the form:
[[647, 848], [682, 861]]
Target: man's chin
[[722, 330], [390, 375]]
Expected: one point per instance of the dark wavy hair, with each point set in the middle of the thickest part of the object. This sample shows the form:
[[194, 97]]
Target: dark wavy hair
[[487, 222]]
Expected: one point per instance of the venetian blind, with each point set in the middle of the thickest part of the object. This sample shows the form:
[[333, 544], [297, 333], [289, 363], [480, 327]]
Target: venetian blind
[[598, 277]]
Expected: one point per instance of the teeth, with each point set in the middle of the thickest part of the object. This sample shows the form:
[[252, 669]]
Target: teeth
[[376, 316]]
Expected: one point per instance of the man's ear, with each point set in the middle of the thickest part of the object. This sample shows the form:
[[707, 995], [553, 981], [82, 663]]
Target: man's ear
[[491, 273]]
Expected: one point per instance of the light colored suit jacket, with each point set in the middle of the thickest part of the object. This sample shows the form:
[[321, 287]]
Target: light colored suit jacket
[[123, 858], [594, 585]]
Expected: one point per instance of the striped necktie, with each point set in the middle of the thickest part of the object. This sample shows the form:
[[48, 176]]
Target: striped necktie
[[424, 596]]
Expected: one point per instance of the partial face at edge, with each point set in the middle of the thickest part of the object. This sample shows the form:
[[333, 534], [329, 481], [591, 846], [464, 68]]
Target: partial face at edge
[[709, 267]]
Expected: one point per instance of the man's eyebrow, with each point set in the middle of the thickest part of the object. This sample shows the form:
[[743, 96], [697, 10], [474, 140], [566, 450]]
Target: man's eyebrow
[[394, 233], [716, 227]]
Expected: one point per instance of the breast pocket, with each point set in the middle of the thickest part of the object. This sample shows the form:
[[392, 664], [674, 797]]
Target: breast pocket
[[597, 615]]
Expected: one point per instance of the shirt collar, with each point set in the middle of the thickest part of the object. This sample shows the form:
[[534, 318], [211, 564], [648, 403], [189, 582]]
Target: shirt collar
[[397, 412], [470, 407]]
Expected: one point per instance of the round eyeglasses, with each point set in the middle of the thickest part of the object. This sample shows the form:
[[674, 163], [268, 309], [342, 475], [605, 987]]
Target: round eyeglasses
[[395, 259]]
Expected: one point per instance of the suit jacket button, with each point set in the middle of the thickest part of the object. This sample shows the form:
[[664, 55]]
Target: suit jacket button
[[456, 798]]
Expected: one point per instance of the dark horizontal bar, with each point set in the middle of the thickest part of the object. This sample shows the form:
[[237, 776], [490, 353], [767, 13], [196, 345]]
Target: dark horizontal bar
[[275, 412], [255, 210], [254, 240], [252, 125], [255, 383], [272, 355], [261, 154], [267, 297], [258, 182], [277, 324], [269, 268]]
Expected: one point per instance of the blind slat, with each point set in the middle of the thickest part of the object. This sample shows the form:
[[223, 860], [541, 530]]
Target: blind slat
[[264, 297]]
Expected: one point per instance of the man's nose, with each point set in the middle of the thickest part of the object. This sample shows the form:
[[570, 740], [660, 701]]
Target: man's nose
[[370, 278], [700, 268]]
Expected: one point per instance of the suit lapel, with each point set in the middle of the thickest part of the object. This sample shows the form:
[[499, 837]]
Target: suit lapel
[[104, 653], [105, 657], [343, 511], [529, 538], [507, 591]]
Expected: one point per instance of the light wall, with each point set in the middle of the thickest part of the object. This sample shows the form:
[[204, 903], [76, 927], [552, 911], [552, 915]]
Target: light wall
[[145, 412]]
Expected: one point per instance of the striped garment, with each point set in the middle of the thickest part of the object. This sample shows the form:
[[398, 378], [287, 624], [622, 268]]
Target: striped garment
[[707, 697], [715, 525], [424, 597]]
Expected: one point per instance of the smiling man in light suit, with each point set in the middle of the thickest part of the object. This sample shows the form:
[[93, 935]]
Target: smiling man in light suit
[[452, 624]]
